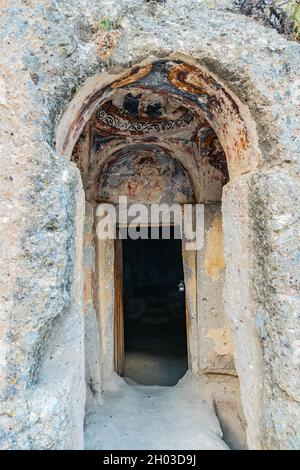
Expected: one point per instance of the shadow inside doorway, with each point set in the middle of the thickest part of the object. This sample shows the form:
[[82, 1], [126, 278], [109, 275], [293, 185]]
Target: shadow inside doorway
[[154, 311]]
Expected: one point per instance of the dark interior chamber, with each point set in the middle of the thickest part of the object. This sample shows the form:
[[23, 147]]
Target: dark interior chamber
[[154, 311]]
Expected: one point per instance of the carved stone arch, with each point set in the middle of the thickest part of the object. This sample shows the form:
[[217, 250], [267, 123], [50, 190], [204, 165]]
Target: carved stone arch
[[189, 82]]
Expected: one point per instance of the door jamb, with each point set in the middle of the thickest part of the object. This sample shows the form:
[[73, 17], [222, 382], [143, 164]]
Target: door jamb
[[118, 308]]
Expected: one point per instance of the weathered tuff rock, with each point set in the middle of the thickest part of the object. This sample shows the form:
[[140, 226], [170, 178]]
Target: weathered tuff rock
[[48, 51], [284, 16]]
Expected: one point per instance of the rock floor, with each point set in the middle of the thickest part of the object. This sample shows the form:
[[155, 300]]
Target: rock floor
[[134, 417], [153, 369]]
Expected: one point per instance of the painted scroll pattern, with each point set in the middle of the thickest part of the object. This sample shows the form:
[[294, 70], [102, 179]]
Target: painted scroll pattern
[[158, 126]]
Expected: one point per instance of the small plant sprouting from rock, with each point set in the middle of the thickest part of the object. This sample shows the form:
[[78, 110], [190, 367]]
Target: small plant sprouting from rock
[[104, 24], [107, 33]]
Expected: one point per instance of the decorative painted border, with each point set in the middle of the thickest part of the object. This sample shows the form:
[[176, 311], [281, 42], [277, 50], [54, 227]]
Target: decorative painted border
[[122, 125]]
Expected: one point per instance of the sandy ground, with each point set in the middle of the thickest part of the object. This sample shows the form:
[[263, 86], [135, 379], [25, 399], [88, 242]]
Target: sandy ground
[[133, 417]]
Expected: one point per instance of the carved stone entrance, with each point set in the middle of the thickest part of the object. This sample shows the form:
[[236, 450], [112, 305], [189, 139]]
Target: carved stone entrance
[[154, 312], [165, 131]]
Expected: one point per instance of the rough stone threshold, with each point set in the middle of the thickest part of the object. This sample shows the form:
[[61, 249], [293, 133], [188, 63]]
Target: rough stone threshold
[[134, 417]]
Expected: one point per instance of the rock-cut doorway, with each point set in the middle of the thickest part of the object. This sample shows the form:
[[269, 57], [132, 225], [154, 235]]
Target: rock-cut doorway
[[150, 323], [163, 132]]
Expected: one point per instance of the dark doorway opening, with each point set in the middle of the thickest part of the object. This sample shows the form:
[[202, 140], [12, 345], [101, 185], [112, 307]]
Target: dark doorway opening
[[155, 336]]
